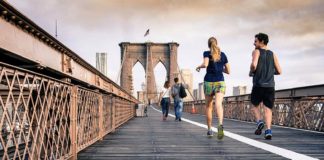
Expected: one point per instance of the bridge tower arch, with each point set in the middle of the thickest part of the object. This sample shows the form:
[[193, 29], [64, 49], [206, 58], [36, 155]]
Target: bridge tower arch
[[149, 55]]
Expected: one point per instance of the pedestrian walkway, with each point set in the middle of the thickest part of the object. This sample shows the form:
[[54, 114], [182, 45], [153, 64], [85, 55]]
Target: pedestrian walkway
[[151, 138]]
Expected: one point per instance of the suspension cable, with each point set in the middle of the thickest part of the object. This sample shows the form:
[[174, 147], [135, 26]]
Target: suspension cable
[[121, 67], [186, 83]]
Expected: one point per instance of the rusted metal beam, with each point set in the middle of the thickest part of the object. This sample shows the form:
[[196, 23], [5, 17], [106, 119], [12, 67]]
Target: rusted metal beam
[[73, 126], [49, 52]]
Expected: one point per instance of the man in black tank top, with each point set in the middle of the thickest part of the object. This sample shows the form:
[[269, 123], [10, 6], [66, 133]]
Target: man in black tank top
[[264, 66]]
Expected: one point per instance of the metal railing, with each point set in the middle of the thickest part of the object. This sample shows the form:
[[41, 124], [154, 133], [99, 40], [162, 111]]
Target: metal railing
[[42, 117], [298, 108], [45, 118]]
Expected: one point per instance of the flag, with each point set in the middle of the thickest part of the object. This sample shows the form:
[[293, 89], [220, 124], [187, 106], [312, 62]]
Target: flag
[[147, 32]]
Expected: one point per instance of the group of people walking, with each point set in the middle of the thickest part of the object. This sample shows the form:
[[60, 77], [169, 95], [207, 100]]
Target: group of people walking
[[263, 67], [174, 91]]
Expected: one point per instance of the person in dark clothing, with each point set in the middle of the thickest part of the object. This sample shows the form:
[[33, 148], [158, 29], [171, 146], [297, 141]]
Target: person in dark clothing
[[264, 66], [178, 102]]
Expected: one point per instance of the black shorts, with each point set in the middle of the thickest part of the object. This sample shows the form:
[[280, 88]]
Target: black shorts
[[263, 94]]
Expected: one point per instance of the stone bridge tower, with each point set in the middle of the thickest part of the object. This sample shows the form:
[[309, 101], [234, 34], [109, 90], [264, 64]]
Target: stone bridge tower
[[149, 55]]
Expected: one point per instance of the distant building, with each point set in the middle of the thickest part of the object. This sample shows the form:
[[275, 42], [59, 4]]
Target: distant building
[[101, 62], [239, 90], [143, 86], [195, 93], [186, 74], [201, 94], [141, 96]]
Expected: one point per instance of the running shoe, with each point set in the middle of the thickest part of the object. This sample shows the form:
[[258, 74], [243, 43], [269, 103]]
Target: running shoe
[[268, 134], [260, 126], [210, 133], [220, 132]]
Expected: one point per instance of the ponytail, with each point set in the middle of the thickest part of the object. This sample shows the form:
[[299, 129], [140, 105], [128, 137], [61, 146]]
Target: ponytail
[[214, 49]]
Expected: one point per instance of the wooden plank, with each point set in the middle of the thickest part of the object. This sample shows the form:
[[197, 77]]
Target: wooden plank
[[152, 138]]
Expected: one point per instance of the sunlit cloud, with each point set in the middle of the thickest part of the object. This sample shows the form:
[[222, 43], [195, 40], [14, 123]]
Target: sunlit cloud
[[295, 28]]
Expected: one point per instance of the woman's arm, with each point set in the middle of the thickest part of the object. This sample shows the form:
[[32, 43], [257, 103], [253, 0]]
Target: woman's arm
[[204, 64], [161, 94], [227, 68]]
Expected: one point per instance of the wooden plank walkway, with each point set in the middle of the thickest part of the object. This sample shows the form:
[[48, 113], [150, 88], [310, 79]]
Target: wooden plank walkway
[[152, 138]]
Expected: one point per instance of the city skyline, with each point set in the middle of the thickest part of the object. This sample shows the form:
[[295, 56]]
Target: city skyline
[[101, 62], [295, 30]]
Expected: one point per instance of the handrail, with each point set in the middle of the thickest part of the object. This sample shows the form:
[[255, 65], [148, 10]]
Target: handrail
[[45, 118], [301, 107]]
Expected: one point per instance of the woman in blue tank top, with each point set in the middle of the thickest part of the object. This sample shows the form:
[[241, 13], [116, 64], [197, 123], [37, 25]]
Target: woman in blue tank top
[[214, 85]]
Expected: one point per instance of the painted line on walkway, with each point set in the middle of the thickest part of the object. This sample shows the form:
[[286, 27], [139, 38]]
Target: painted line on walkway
[[267, 147]]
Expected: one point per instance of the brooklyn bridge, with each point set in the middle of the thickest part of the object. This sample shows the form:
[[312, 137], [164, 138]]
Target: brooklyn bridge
[[55, 105]]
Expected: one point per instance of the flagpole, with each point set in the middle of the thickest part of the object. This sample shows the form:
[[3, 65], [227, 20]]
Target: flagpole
[[56, 28], [147, 33]]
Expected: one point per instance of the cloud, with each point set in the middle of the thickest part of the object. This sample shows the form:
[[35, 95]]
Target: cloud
[[295, 28]]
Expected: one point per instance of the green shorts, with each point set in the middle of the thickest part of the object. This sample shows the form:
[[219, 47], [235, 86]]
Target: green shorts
[[211, 88]]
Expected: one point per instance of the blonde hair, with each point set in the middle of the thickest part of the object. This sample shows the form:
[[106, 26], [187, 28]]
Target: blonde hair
[[214, 49]]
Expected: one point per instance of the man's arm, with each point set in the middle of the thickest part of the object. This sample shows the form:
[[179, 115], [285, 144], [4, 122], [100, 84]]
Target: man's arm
[[172, 91], [277, 65], [255, 59]]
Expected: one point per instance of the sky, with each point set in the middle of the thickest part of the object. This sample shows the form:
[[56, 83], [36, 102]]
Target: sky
[[295, 29]]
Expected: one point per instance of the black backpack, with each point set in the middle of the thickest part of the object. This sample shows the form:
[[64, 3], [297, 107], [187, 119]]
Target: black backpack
[[182, 92]]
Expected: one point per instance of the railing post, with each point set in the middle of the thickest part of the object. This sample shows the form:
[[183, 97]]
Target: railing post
[[73, 124], [113, 112], [101, 119]]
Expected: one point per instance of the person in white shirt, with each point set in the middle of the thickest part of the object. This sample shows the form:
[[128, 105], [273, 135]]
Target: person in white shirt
[[165, 101]]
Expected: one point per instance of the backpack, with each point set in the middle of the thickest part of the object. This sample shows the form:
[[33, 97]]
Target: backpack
[[182, 92]]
